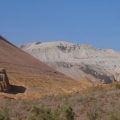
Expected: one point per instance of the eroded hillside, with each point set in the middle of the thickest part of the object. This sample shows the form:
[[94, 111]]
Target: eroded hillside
[[31, 78], [78, 61]]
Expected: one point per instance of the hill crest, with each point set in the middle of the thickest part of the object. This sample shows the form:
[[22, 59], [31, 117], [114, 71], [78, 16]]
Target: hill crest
[[70, 59], [32, 77]]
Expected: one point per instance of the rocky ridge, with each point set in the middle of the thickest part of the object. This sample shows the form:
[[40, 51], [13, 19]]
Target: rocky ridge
[[78, 61]]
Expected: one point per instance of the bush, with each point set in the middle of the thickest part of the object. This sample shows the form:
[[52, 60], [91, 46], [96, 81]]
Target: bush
[[70, 115], [4, 114], [115, 116], [94, 112], [117, 85], [40, 114], [44, 113], [93, 115]]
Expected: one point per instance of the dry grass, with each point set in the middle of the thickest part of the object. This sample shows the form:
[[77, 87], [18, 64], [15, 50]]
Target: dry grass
[[100, 103]]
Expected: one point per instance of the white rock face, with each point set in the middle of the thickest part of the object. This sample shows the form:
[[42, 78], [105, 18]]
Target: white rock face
[[78, 61]]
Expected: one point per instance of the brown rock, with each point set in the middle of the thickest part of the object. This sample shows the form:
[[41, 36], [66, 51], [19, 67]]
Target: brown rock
[[4, 82]]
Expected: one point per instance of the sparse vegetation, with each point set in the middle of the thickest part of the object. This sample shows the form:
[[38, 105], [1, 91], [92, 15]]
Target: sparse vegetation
[[4, 114], [93, 112], [115, 115], [40, 113], [70, 115], [117, 85], [95, 104]]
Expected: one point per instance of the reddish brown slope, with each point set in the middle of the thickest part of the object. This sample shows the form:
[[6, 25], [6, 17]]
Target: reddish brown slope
[[37, 78], [13, 55]]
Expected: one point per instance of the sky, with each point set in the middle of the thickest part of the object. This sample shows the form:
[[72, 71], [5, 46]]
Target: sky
[[95, 22]]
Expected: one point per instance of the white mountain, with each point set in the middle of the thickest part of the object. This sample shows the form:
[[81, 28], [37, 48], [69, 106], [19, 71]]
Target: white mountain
[[78, 61]]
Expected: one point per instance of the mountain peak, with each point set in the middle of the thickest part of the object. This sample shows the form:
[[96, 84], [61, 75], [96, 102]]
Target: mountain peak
[[68, 57], [46, 44]]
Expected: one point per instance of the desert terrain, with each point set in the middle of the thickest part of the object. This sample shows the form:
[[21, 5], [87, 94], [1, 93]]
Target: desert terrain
[[30, 77]]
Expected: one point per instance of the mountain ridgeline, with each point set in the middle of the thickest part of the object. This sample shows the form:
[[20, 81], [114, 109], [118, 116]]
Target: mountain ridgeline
[[78, 61]]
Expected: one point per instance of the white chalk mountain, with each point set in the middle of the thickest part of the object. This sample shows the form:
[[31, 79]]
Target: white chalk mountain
[[78, 61]]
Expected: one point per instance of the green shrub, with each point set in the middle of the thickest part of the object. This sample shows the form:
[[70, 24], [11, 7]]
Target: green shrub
[[115, 116], [94, 112], [70, 115], [41, 114], [4, 114], [45, 113], [93, 115], [117, 85]]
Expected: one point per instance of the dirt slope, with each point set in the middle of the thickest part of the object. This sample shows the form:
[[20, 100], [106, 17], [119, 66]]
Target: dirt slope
[[31, 78]]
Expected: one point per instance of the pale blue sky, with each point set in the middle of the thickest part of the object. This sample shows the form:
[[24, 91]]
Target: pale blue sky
[[96, 22]]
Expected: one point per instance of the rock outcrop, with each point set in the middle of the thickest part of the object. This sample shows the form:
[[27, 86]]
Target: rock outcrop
[[78, 61], [4, 82]]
